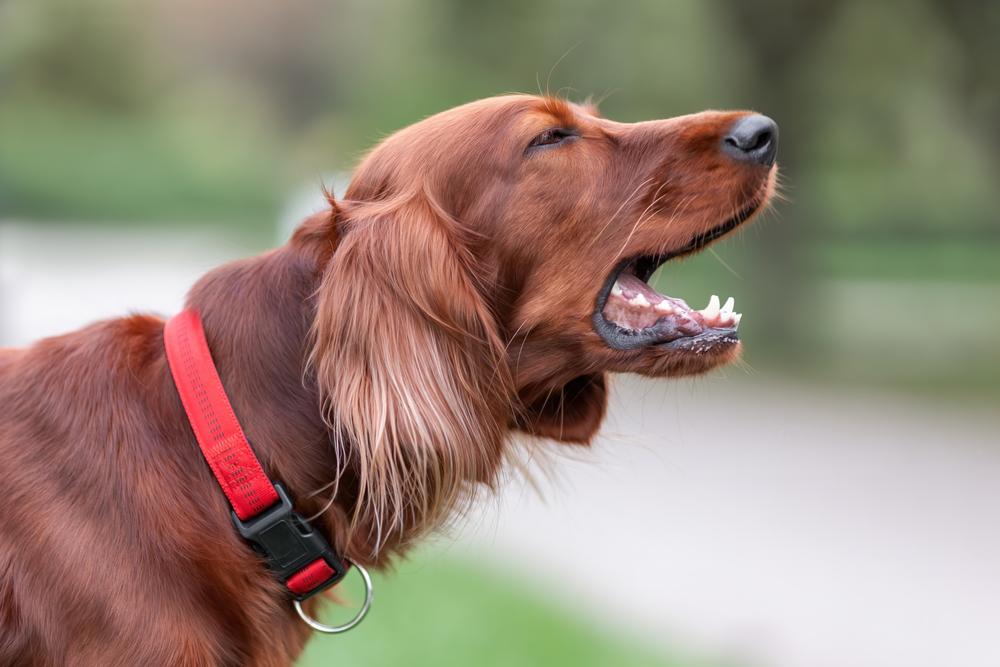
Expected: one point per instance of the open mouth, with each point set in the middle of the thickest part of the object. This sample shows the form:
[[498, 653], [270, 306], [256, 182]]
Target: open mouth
[[630, 314]]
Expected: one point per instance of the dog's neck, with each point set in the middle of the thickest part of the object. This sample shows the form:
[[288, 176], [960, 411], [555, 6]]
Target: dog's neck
[[257, 315]]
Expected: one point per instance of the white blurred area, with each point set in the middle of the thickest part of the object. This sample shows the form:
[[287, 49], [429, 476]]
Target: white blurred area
[[773, 523], [58, 277], [747, 517]]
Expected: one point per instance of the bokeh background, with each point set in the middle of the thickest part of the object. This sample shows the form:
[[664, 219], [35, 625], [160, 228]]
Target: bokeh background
[[144, 141]]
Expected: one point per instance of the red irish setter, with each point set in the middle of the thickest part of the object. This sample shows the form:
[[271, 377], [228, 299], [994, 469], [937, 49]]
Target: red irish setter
[[484, 273]]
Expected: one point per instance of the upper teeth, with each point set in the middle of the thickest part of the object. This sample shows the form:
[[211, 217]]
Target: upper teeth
[[616, 289], [638, 300]]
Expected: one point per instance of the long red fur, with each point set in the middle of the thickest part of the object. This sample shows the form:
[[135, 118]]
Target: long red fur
[[379, 363]]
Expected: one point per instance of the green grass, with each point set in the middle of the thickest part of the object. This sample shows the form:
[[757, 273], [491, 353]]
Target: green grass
[[445, 613]]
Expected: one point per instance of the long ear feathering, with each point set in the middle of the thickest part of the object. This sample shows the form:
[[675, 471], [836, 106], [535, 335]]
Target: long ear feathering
[[410, 367]]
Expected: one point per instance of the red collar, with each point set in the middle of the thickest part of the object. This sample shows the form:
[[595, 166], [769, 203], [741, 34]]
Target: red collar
[[297, 554]]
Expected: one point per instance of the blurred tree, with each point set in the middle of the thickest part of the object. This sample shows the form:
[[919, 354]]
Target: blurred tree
[[775, 34], [279, 49], [92, 53], [977, 23], [898, 153], [888, 117]]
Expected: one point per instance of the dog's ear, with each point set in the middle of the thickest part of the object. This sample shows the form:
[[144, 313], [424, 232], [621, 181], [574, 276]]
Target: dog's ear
[[571, 414], [410, 367]]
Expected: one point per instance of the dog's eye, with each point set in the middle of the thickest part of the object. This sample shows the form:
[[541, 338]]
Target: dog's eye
[[548, 137]]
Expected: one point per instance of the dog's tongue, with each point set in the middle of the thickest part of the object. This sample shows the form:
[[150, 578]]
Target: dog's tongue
[[632, 286], [634, 305]]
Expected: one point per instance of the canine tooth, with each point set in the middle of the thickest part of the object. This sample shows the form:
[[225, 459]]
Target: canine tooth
[[728, 307], [616, 289], [712, 309], [639, 300]]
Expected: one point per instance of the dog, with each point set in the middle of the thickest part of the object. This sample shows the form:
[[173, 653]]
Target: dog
[[483, 275]]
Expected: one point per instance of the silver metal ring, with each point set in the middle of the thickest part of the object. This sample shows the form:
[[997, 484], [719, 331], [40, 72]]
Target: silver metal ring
[[316, 625]]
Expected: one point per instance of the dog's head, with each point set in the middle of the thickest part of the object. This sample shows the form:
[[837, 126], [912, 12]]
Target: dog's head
[[492, 269]]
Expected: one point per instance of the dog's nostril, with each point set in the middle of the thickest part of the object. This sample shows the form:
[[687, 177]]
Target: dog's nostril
[[762, 141], [752, 138]]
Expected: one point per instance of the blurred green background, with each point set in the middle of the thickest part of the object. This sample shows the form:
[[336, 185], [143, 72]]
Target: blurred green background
[[882, 266], [881, 269]]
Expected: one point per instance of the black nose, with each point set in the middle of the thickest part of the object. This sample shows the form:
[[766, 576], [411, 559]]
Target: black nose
[[753, 139]]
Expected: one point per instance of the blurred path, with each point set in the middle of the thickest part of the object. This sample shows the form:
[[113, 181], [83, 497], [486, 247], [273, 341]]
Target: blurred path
[[779, 524], [56, 278]]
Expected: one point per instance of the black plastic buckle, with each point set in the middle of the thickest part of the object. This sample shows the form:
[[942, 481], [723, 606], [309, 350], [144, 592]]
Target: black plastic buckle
[[288, 542]]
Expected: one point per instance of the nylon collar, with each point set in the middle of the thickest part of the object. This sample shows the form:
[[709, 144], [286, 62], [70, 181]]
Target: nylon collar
[[298, 554]]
